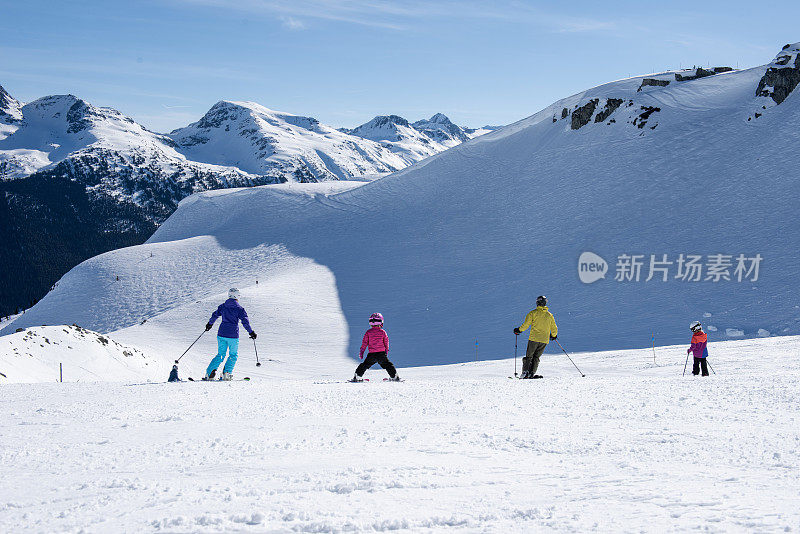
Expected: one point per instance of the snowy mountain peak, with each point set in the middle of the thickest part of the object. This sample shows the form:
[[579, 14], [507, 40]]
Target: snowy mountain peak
[[442, 130], [288, 147], [10, 114], [382, 121], [383, 128], [440, 118], [68, 114], [10, 108], [418, 140], [228, 112]]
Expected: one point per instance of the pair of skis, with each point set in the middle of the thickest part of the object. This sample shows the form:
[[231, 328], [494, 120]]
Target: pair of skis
[[520, 378], [245, 379], [354, 381]]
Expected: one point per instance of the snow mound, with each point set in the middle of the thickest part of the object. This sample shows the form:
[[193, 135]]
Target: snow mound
[[34, 355]]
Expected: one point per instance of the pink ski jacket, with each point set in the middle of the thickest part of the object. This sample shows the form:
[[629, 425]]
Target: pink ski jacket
[[376, 339]]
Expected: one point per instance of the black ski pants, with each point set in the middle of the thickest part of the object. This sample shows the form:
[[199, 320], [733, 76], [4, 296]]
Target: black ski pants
[[698, 363], [373, 358], [530, 363]]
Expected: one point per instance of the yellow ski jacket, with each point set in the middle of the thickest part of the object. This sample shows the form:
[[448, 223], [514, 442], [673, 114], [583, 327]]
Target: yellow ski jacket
[[542, 325]]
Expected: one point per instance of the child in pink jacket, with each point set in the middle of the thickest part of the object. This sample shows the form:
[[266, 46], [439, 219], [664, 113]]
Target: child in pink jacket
[[377, 341]]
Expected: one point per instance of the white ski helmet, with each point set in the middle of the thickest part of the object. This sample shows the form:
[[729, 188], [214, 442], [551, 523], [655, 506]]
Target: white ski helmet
[[695, 326], [233, 293]]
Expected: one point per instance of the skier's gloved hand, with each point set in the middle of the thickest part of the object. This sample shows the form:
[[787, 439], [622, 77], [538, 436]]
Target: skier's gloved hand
[[516, 331], [253, 335], [553, 337], [208, 327], [361, 356]]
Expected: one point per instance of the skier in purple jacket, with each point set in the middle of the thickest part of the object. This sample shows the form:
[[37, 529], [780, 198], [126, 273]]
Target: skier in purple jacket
[[228, 335]]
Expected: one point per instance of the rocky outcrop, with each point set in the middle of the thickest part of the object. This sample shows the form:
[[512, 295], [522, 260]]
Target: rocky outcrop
[[693, 74], [782, 75], [582, 115], [642, 118], [653, 82], [611, 106]]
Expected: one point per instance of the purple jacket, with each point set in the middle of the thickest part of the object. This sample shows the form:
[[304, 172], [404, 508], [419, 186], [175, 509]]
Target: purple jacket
[[699, 345], [231, 313]]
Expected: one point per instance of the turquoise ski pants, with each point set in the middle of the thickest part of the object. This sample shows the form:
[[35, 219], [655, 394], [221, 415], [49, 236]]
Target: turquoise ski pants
[[225, 344]]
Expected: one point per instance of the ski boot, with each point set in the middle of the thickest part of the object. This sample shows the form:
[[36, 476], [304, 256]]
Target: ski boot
[[210, 376], [395, 378], [227, 377], [357, 378]]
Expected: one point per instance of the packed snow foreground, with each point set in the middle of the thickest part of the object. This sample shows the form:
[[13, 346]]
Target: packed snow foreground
[[632, 447]]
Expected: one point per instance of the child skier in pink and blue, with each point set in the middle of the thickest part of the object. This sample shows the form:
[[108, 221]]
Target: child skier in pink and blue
[[377, 340], [699, 348], [228, 335]]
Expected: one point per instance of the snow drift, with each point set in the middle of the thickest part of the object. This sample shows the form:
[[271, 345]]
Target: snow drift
[[454, 249]]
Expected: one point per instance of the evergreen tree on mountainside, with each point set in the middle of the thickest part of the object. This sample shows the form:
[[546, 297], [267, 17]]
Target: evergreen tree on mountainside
[[51, 225]]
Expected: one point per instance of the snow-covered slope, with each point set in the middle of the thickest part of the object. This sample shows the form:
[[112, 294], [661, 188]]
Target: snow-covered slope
[[157, 296], [261, 141], [633, 447], [455, 249]]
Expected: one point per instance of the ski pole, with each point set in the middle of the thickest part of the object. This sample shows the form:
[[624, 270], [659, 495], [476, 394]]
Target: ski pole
[[685, 363], [709, 365], [516, 337], [654, 349], [190, 346], [258, 363], [570, 359]]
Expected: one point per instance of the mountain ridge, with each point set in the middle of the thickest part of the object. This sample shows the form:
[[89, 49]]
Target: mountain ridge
[[130, 179]]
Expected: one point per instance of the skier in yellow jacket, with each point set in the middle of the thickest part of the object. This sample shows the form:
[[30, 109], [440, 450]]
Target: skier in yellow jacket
[[543, 329]]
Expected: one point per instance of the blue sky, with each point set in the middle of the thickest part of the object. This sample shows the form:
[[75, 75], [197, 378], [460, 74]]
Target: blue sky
[[165, 63]]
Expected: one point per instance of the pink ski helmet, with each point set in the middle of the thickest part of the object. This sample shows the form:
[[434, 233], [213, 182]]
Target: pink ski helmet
[[376, 318]]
